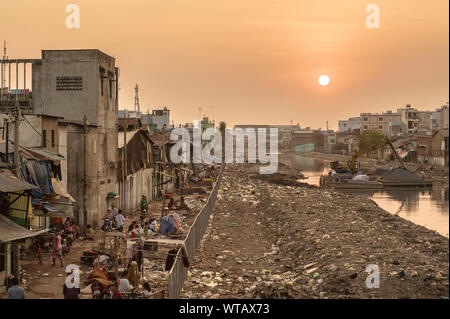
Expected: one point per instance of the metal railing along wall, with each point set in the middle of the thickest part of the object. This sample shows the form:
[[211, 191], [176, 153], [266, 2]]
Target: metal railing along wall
[[178, 272]]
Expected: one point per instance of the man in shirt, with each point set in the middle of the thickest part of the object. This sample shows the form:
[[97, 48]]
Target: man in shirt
[[114, 210], [120, 220], [124, 283], [16, 292]]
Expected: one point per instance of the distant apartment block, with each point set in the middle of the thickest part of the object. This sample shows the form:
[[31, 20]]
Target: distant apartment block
[[157, 120], [439, 118], [410, 117], [353, 123], [378, 121]]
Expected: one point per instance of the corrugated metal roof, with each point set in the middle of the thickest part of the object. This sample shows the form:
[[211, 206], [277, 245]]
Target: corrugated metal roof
[[10, 183], [10, 231], [48, 154]]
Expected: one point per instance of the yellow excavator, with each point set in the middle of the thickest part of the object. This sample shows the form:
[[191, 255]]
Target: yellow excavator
[[353, 165]]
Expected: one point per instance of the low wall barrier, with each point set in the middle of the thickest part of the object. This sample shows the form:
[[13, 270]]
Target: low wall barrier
[[178, 272]]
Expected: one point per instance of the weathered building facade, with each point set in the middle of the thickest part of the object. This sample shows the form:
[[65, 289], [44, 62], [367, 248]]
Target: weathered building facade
[[79, 88]]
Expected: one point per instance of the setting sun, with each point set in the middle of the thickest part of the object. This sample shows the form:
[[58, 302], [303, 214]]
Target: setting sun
[[324, 80]]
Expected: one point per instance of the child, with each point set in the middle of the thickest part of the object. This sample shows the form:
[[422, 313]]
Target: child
[[147, 290]]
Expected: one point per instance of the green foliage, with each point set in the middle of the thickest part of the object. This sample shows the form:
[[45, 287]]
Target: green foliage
[[371, 139]]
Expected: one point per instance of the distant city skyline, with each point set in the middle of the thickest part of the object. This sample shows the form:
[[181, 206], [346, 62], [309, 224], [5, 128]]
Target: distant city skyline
[[254, 61]]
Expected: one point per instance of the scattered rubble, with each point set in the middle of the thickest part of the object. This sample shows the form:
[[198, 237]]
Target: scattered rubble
[[306, 242], [401, 175]]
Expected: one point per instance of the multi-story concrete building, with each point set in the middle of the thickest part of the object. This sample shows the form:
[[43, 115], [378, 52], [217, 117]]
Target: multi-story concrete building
[[424, 122], [159, 119], [378, 121], [73, 105], [410, 117], [439, 118], [353, 123]]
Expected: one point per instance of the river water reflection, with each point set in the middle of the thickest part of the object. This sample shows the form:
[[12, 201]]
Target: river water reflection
[[428, 207]]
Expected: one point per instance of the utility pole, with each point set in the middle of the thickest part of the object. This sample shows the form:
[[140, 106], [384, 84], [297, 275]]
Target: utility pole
[[84, 170], [125, 162], [16, 139], [6, 125], [5, 57], [163, 163]]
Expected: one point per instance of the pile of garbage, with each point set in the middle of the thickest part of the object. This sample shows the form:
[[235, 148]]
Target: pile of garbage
[[155, 274], [271, 241], [401, 175]]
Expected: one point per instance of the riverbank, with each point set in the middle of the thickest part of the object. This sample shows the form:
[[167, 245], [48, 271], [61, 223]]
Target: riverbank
[[271, 240], [439, 175]]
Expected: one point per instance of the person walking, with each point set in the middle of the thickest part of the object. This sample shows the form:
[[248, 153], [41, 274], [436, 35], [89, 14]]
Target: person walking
[[57, 249]]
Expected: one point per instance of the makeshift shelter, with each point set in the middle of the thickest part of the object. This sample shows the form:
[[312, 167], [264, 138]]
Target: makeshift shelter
[[15, 209]]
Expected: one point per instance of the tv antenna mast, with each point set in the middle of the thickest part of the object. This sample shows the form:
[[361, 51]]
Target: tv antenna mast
[[5, 57], [136, 99]]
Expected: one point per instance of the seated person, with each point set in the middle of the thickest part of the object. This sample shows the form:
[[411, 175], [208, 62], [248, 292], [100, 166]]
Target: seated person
[[69, 227], [147, 290], [183, 204], [124, 284], [167, 225], [171, 204], [115, 293], [131, 227], [89, 233], [152, 225]]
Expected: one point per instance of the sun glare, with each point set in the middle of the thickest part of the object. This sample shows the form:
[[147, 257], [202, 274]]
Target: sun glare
[[324, 80]]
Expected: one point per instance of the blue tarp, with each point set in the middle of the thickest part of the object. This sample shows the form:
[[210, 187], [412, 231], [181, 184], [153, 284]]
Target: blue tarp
[[51, 209], [167, 224]]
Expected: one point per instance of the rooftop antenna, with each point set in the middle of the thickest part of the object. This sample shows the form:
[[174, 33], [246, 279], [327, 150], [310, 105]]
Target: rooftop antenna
[[5, 57], [214, 117], [136, 100]]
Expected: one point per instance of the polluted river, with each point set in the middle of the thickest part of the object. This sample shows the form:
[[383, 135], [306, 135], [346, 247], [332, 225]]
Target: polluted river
[[425, 206]]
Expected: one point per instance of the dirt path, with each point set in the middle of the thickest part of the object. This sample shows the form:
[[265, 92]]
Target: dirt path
[[305, 242]]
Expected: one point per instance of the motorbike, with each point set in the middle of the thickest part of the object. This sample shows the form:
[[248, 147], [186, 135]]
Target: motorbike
[[69, 237], [107, 226], [65, 245]]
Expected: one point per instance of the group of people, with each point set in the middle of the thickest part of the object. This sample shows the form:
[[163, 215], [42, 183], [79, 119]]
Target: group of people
[[114, 218], [127, 282]]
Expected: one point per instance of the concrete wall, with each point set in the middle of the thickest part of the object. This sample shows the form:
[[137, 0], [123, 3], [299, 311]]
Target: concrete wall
[[50, 126], [71, 105], [138, 184], [28, 137]]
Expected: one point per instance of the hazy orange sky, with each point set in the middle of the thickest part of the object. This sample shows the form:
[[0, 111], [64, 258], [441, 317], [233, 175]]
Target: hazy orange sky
[[254, 61]]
